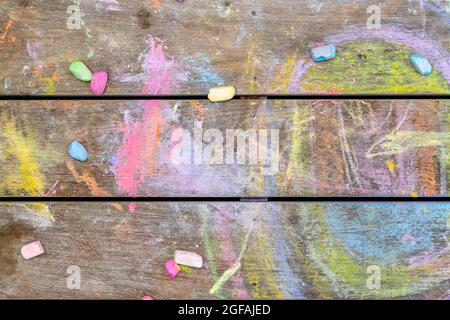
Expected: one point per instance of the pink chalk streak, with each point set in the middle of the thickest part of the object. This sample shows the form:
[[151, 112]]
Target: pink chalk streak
[[136, 156], [132, 207]]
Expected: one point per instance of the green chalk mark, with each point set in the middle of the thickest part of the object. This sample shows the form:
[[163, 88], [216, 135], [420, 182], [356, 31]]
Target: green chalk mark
[[185, 269], [90, 53], [371, 67], [236, 266], [404, 141], [209, 253]]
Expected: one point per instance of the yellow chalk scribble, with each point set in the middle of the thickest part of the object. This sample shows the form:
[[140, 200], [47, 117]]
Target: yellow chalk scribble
[[27, 179], [391, 165], [24, 178], [286, 72], [264, 283], [250, 68]]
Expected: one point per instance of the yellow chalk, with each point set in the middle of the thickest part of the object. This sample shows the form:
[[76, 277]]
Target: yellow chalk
[[221, 94]]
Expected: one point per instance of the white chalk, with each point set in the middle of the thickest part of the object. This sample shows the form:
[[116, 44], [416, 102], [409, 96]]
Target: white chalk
[[32, 250], [188, 258]]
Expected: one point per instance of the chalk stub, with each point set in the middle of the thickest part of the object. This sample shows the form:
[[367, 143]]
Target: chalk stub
[[221, 94], [172, 268], [98, 82], [323, 53], [80, 71], [148, 298], [32, 250], [77, 151], [422, 65], [188, 258]]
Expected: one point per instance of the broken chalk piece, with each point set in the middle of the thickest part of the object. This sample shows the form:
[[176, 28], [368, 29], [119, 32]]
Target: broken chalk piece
[[187, 258], [32, 250], [421, 64], [77, 151], [221, 94], [80, 71], [172, 268], [324, 53], [148, 298], [98, 82]]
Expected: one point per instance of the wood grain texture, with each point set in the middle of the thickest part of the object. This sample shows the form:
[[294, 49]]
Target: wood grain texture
[[258, 46], [326, 148], [294, 250], [320, 148]]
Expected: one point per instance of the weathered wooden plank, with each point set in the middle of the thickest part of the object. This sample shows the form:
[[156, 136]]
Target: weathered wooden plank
[[166, 46], [319, 148], [293, 250]]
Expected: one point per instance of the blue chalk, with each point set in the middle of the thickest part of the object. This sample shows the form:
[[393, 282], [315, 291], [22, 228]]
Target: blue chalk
[[324, 53], [77, 151], [421, 64]]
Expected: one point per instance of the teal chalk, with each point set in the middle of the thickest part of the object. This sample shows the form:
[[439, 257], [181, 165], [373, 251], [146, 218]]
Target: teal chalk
[[421, 64], [77, 151], [324, 53]]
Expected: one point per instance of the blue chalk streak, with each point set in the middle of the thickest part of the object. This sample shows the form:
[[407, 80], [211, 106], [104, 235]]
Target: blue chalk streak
[[388, 232], [203, 68]]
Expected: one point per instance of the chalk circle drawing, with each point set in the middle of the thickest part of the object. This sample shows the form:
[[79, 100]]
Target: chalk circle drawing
[[389, 35]]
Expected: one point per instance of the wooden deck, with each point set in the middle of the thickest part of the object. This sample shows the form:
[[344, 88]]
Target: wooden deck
[[286, 148], [294, 250], [258, 46], [182, 148]]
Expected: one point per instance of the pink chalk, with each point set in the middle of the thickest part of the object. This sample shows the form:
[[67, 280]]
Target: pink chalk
[[148, 298], [172, 268], [132, 207], [98, 82], [32, 250]]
